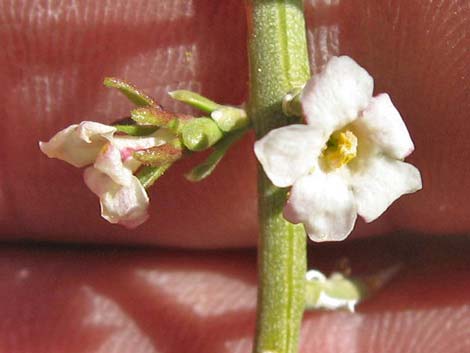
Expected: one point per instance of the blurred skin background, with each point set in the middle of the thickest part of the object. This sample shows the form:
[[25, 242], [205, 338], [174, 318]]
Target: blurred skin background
[[180, 280]]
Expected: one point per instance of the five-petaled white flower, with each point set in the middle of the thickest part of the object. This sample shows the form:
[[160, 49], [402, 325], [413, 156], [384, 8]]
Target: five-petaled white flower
[[123, 199], [347, 159]]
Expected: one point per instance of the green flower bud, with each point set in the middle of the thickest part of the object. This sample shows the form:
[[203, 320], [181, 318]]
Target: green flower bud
[[230, 118], [200, 134]]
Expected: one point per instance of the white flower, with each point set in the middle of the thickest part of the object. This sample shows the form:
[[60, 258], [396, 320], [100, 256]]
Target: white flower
[[346, 160], [122, 197]]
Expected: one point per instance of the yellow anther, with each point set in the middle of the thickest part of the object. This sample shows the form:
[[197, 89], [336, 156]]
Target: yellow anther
[[341, 148]]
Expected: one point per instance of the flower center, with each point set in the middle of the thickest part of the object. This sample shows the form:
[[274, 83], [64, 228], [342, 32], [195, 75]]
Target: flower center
[[340, 149]]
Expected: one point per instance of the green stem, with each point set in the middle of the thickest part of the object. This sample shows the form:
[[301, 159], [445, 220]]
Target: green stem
[[278, 63]]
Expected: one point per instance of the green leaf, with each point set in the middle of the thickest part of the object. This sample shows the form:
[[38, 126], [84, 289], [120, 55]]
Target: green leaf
[[206, 168], [195, 100], [149, 175], [132, 93], [136, 130]]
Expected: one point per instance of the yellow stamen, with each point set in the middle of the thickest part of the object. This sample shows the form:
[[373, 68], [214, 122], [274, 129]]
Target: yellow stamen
[[105, 148], [341, 149]]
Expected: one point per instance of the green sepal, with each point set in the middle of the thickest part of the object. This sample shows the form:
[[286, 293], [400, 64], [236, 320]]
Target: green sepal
[[151, 116], [206, 168], [200, 134], [132, 93], [195, 100], [136, 130], [159, 155], [230, 118], [148, 175]]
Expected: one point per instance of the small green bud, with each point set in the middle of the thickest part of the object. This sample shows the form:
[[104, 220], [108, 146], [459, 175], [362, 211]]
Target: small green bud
[[200, 134], [230, 118]]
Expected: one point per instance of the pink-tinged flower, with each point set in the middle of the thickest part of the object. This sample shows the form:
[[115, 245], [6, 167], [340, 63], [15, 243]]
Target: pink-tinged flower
[[347, 159], [122, 197]]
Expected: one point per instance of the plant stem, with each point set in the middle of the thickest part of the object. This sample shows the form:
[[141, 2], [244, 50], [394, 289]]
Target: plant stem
[[278, 63]]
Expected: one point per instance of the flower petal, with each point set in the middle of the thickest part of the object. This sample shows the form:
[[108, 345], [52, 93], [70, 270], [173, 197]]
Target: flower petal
[[335, 97], [381, 181], [324, 204], [109, 162], [381, 122], [78, 144], [126, 205], [289, 152]]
